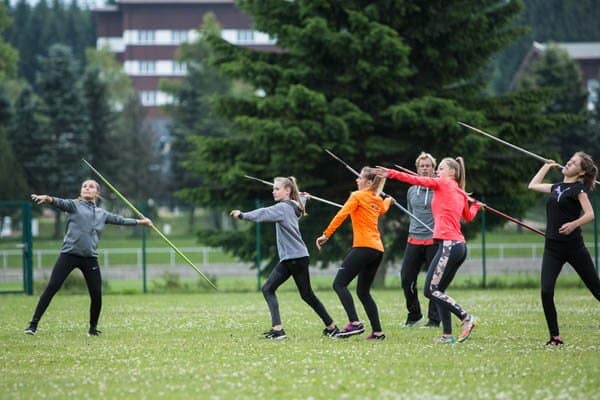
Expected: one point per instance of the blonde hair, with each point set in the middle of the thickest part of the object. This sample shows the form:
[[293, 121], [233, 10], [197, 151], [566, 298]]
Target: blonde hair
[[371, 174], [290, 182], [458, 165], [424, 156], [590, 170]]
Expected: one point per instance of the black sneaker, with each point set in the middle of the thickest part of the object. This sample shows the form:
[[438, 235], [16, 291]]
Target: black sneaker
[[331, 332], [94, 332], [275, 334], [411, 323], [351, 329], [31, 329]]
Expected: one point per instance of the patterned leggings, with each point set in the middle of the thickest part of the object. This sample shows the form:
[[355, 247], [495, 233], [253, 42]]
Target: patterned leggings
[[449, 257]]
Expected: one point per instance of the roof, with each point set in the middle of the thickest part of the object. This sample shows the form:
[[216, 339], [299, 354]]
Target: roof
[[576, 50]]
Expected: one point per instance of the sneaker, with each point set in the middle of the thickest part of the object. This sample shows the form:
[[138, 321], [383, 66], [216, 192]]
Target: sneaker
[[94, 332], [373, 336], [446, 339], [412, 323], [31, 329], [431, 324], [468, 324], [275, 334], [351, 329], [555, 341], [331, 332]]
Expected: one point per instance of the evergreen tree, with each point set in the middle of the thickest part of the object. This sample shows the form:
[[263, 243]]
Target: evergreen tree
[[8, 55], [375, 82], [62, 98], [102, 149]]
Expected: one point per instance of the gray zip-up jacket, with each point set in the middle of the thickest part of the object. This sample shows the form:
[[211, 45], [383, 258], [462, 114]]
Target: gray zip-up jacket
[[418, 199], [85, 223], [285, 214]]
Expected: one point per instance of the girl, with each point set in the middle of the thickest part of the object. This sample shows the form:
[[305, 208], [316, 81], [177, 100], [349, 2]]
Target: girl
[[564, 242], [293, 254], [85, 223], [448, 206], [364, 207]]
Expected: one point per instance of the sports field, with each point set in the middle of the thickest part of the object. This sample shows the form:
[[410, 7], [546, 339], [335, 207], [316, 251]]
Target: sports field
[[209, 346]]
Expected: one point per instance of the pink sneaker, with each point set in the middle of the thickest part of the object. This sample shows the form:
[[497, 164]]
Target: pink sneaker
[[351, 329]]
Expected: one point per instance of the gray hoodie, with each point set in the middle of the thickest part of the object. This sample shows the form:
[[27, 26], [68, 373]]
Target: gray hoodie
[[285, 214], [418, 199], [85, 223]]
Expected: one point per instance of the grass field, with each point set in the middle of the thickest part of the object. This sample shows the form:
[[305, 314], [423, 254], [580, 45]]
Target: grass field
[[209, 346]]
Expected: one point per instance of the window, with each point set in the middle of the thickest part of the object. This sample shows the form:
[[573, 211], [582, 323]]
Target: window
[[178, 37], [148, 98], [146, 37], [592, 86], [179, 67], [147, 67], [245, 36]]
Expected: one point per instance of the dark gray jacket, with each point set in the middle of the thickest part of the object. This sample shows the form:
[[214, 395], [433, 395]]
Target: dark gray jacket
[[418, 200], [85, 223]]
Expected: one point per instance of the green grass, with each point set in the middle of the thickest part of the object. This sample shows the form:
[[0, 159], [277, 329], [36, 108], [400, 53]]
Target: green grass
[[209, 346]]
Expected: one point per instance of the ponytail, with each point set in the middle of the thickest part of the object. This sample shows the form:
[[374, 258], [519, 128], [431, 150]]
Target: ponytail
[[290, 182]]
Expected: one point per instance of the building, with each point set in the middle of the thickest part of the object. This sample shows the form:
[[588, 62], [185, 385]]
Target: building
[[145, 34], [587, 56]]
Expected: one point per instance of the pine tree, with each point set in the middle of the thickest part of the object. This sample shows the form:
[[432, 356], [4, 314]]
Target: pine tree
[[376, 83]]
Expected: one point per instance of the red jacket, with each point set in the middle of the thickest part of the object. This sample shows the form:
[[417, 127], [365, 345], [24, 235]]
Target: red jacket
[[448, 206]]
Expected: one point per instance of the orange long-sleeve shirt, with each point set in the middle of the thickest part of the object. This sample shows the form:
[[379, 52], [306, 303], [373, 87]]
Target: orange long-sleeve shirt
[[364, 208]]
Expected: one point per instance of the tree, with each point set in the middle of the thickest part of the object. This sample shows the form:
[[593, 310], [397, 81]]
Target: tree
[[61, 93], [8, 55], [376, 82], [555, 70]]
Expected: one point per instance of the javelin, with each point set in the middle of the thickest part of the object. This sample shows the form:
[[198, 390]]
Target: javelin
[[311, 196], [490, 209], [139, 214], [529, 153], [355, 172]]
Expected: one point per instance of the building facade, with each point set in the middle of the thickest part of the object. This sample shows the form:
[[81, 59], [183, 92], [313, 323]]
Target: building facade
[[145, 34]]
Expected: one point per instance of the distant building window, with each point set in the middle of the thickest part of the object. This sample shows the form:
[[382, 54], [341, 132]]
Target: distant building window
[[245, 36], [178, 37], [179, 67], [592, 86], [146, 37], [147, 67], [148, 98]]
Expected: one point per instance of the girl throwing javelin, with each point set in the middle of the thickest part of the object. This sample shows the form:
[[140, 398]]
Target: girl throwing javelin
[[293, 254], [364, 207], [568, 208], [85, 223], [448, 206]]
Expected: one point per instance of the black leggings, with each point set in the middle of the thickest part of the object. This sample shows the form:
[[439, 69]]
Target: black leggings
[[449, 257], [298, 268], [63, 267], [414, 258], [556, 254], [361, 261]]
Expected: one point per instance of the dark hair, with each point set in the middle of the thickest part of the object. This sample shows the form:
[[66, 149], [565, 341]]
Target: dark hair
[[590, 170]]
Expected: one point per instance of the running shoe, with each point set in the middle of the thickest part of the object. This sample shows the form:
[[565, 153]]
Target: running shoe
[[468, 324], [411, 323], [373, 336], [555, 341], [31, 329], [331, 332], [351, 329], [274, 334], [446, 339]]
